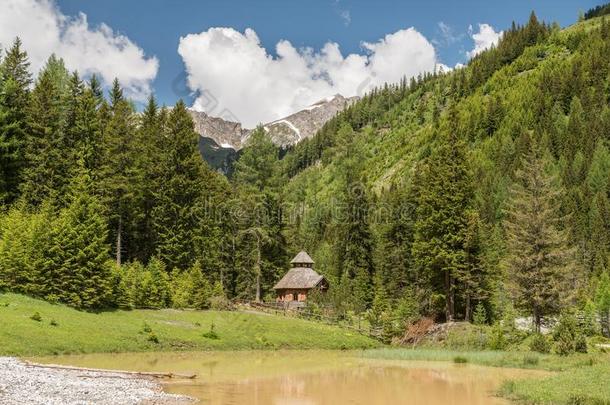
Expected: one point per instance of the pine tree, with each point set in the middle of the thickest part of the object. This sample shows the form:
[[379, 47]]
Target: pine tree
[[602, 301], [75, 263], [117, 173], [49, 155], [22, 236], [256, 166], [354, 242], [445, 194], [259, 237], [156, 285], [116, 94], [15, 80], [201, 289], [539, 259], [187, 192], [147, 139], [599, 240]]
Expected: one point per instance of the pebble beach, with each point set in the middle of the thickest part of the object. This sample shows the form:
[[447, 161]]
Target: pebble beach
[[21, 383]]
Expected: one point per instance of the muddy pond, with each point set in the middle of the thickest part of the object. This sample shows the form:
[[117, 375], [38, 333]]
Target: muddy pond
[[310, 377]]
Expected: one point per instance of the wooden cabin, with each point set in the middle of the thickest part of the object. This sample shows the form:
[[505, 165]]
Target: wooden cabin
[[294, 287]]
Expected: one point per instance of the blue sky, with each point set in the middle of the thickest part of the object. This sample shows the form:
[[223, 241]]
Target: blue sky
[[155, 27]]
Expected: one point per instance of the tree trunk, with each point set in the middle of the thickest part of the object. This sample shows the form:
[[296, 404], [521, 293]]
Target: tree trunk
[[258, 271], [468, 309], [537, 320], [605, 321], [118, 242], [450, 305]]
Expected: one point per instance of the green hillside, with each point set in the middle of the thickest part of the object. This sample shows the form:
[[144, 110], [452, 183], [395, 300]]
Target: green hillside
[[542, 89], [62, 330]]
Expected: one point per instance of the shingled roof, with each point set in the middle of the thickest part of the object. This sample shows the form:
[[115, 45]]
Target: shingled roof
[[302, 258], [299, 277]]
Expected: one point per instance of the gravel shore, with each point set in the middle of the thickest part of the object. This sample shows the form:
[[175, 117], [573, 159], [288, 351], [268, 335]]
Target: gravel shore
[[23, 384]]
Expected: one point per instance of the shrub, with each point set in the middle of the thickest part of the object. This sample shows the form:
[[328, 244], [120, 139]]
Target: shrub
[[480, 315], [540, 344], [152, 337], [53, 322], [36, 317], [146, 328], [587, 322], [565, 335], [220, 303], [497, 340], [580, 345], [460, 360], [211, 334]]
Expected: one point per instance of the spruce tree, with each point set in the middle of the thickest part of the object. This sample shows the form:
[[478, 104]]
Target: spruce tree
[[76, 261], [201, 289], [602, 301], [445, 191], [49, 156], [117, 174], [538, 258], [186, 195], [22, 236], [15, 80], [354, 244]]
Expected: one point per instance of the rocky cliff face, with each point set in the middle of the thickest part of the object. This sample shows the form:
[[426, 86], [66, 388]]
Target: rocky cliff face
[[305, 123], [284, 132], [225, 134]]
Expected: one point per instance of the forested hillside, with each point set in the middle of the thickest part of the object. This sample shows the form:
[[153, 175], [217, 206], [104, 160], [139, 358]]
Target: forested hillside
[[484, 188], [478, 193]]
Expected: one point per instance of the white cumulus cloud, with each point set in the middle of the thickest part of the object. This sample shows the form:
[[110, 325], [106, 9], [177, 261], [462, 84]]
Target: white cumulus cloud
[[44, 30], [484, 39], [237, 78]]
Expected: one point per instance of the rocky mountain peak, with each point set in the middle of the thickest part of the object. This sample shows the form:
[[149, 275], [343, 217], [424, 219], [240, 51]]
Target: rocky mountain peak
[[284, 131]]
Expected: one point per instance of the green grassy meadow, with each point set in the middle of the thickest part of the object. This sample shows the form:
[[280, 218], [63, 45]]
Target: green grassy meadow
[[63, 330]]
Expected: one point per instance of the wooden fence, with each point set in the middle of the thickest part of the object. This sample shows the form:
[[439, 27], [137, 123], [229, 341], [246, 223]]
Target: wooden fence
[[357, 325]]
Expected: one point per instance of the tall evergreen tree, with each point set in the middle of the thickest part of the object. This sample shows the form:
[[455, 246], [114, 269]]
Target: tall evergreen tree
[[538, 260], [15, 80], [445, 193], [49, 157], [76, 261], [186, 193], [117, 173], [354, 244]]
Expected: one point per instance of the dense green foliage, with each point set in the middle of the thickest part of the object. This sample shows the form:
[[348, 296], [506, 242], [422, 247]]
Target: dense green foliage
[[85, 178], [480, 194], [597, 11], [468, 177]]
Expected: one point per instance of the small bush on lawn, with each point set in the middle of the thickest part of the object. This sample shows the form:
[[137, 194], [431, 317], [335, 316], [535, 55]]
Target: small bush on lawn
[[460, 360], [497, 338], [36, 317], [211, 334], [53, 322], [580, 345], [540, 344], [152, 337], [567, 337]]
